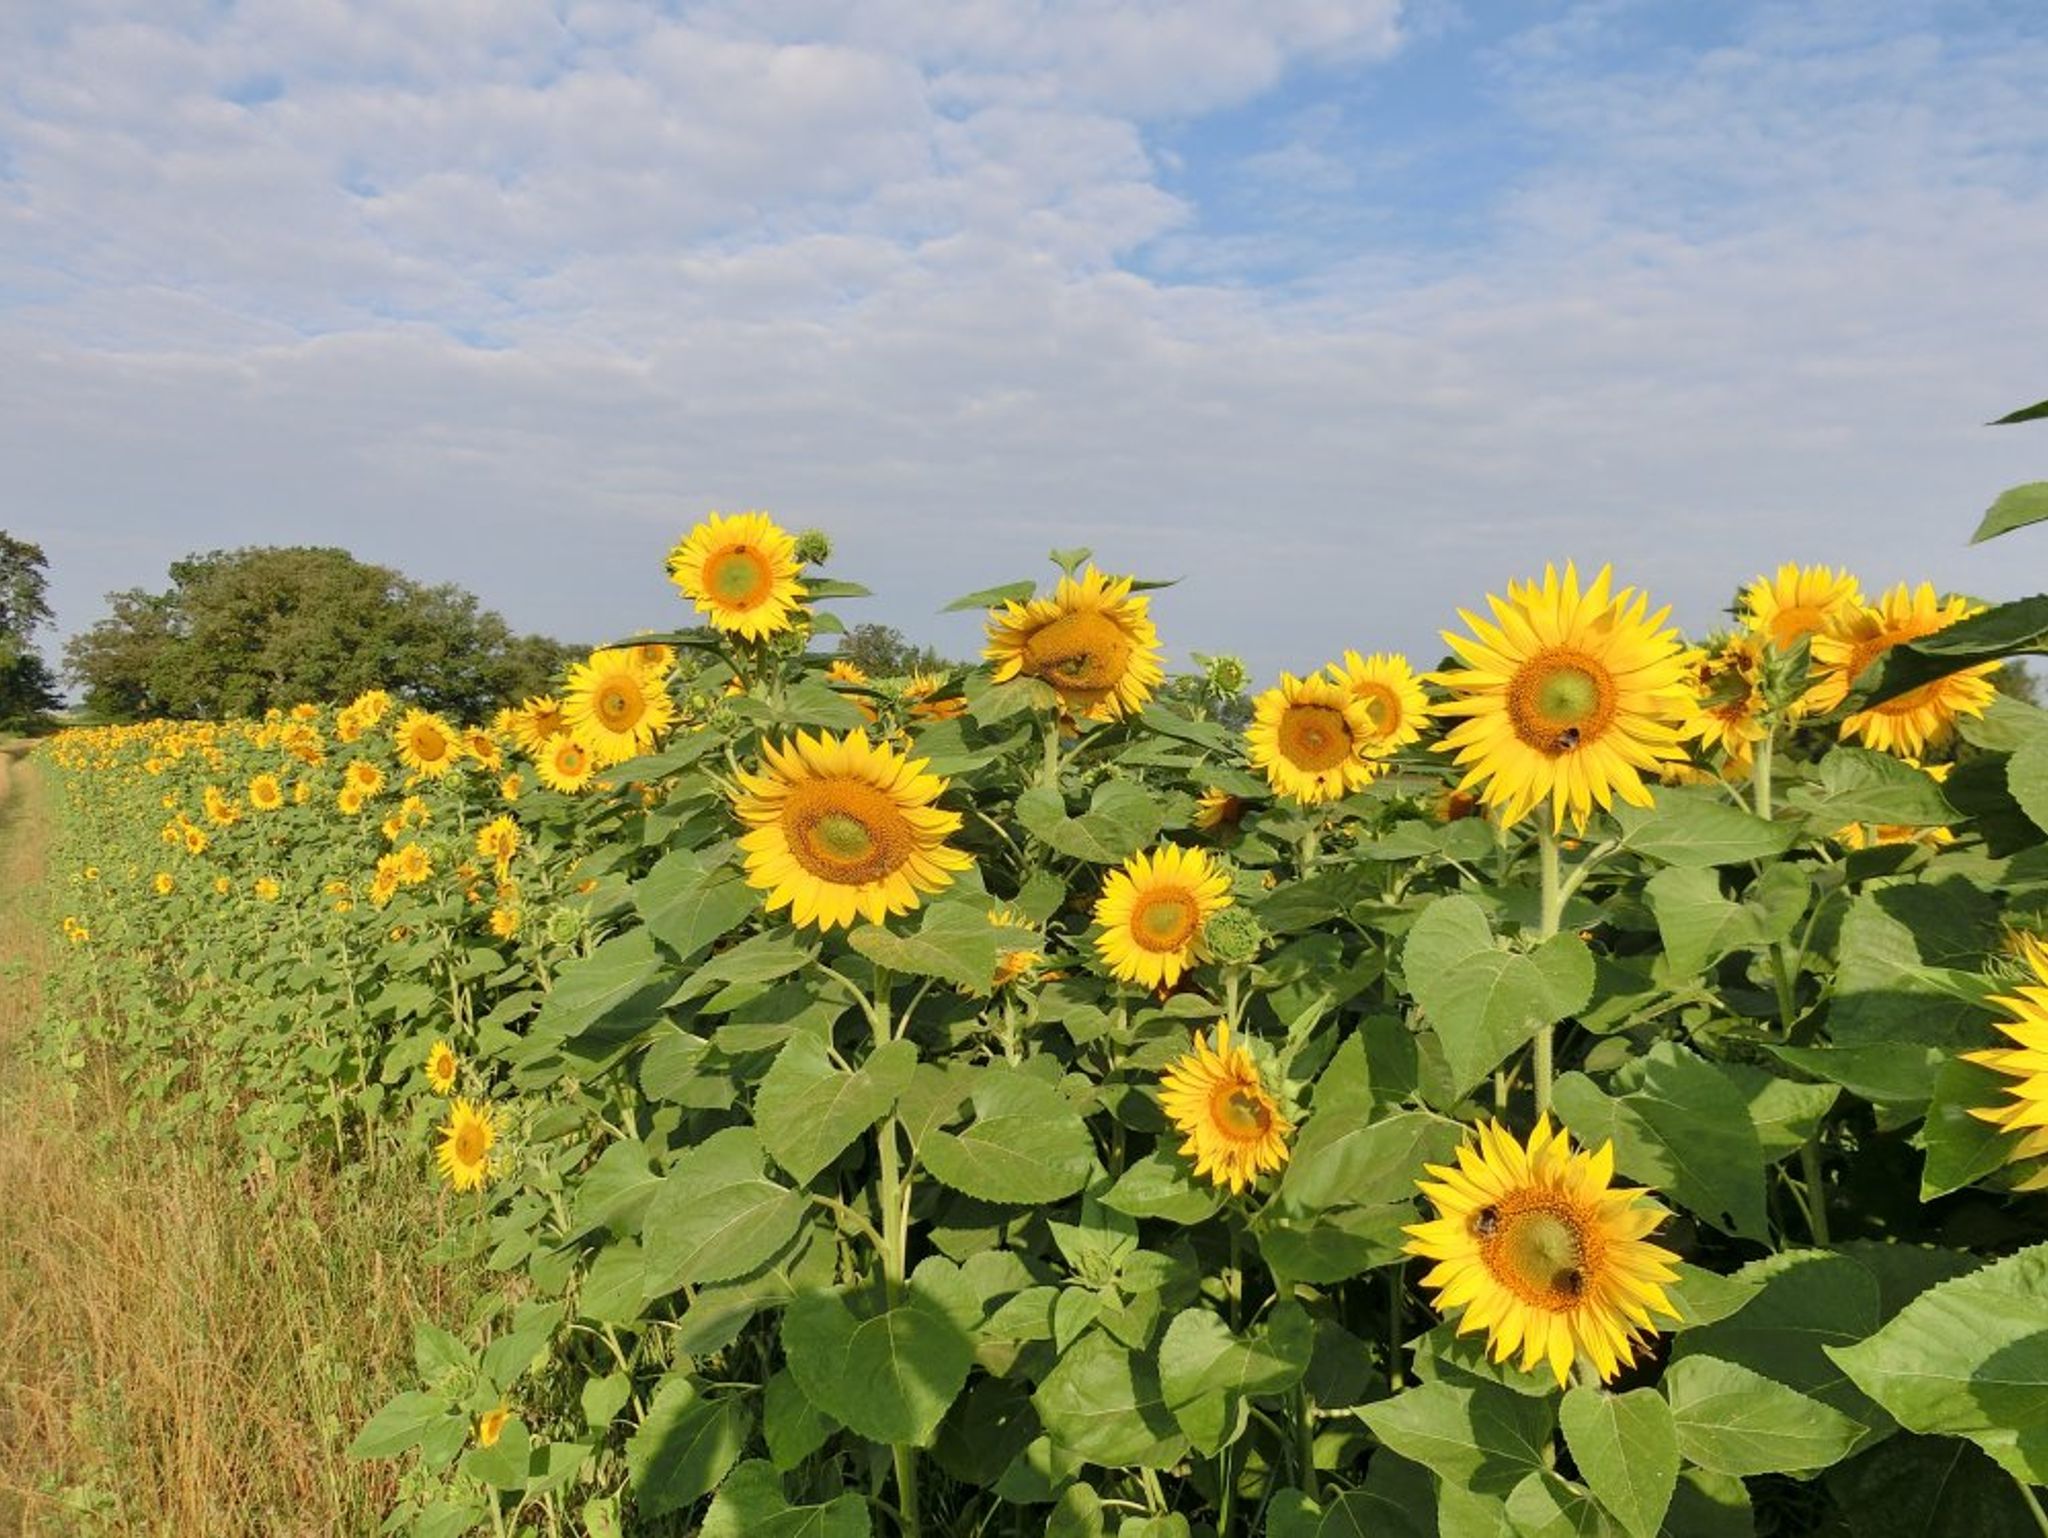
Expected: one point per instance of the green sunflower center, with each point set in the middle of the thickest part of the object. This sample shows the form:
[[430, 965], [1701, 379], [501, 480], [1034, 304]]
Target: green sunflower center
[[843, 837], [846, 831], [1561, 700], [1568, 694], [1166, 919], [739, 577]]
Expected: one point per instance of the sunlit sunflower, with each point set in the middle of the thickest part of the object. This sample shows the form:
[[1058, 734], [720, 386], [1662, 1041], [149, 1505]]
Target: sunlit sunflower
[[1727, 711], [919, 694], [266, 889], [1542, 1251], [843, 672], [1152, 912], [349, 800], [615, 707], [483, 747], [504, 921], [491, 1425], [365, 776], [1569, 696], [1800, 601], [413, 864], [221, 810], [1218, 811], [565, 765], [742, 572], [1014, 961], [165, 883], [497, 841], [1093, 641], [442, 1067], [655, 656], [511, 787], [1910, 723], [1309, 736], [195, 840], [1234, 1127], [427, 744], [842, 826], [2026, 1114], [536, 723], [265, 794], [1391, 692], [466, 1138]]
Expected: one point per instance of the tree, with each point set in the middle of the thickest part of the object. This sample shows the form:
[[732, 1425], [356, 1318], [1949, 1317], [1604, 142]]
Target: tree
[[882, 651], [241, 631], [27, 691]]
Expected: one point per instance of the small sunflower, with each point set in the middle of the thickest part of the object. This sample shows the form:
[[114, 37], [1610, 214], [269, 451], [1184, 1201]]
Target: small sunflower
[[1013, 962], [349, 800], [615, 707], [919, 694], [365, 776], [565, 765], [497, 841], [1218, 811], [1234, 1127], [427, 745], [1569, 696], [742, 572], [1392, 695], [842, 826], [466, 1139], [1799, 602], [483, 747], [1093, 641], [655, 656], [265, 794], [1542, 1251], [536, 723], [2027, 1112], [491, 1425], [165, 883], [442, 1067], [196, 841], [1907, 724], [1152, 912], [504, 921], [1309, 735], [1728, 708], [266, 889]]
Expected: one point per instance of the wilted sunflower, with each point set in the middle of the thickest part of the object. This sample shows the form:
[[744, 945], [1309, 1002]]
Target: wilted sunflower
[[265, 794], [2027, 1112], [1092, 641], [1392, 695], [491, 1425], [1910, 723], [1152, 912], [1309, 735], [466, 1139], [536, 723], [615, 707], [565, 765], [842, 826], [741, 571], [442, 1067], [1234, 1128], [1542, 1251], [427, 744], [1800, 601], [1568, 696]]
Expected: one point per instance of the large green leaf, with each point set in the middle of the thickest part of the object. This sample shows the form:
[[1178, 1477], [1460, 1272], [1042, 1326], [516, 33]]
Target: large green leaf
[[888, 1370], [1482, 1436], [685, 1444], [1626, 1447], [1892, 987], [1699, 926], [2014, 509], [1969, 1358], [2001, 631], [751, 1504], [1738, 1422], [1692, 827], [1928, 1487], [599, 1006], [1206, 1373], [1962, 1147], [2033, 413], [1858, 785], [689, 907], [1104, 1403], [1342, 1158], [716, 1215], [1484, 1001], [808, 1109], [955, 942], [1026, 1143], [1121, 819], [2026, 775]]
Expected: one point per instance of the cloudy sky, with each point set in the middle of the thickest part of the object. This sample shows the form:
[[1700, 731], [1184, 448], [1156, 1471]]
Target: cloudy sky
[[1343, 311]]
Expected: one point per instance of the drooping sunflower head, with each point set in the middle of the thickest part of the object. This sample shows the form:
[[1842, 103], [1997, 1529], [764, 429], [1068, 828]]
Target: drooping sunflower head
[[1093, 641], [1799, 602], [1391, 692], [427, 745], [615, 707], [1234, 1128], [442, 1067], [466, 1138], [265, 793], [2025, 1114], [1536, 1246], [1218, 811], [1152, 913], [1310, 736], [1569, 696], [844, 827], [536, 723], [742, 572], [1907, 724], [565, 765]]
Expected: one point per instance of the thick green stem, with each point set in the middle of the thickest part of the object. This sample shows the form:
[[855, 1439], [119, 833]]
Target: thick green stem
[[1311, 849], [1553, 896], [894, 1197], [1049, 774], [1397, 1326], [1760, 772], [2033, 1505], [1305, 1445]]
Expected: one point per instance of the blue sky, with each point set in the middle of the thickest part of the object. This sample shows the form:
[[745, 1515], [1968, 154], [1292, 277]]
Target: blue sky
[[1343, 311]]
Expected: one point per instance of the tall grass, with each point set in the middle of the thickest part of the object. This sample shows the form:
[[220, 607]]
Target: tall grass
[[181, 1351]]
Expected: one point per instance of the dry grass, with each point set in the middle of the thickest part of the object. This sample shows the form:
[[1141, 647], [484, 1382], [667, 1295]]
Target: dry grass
[[181, 1352]]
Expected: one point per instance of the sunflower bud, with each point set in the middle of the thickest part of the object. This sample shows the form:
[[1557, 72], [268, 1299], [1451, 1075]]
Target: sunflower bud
[[1233, 936], [814, 547], [1226, 675]]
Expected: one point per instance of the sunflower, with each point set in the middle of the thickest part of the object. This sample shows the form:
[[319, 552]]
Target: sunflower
[[511, 787], [1092, 641], [483, 747], [267, 889], [220, 807], [1234, 1127], [742, 572], [1392, 695], [491, 1425], [1014, 961], [1540, 1250], [1728, 707], [365, 776], [427, 744], [843, 672], [2027, 1112], [1568, 696], [497, 841], [918, 695], [1309, 735], [413, 864], [1800, 601], [1219, 811], [196, 840], [655, 656], [466, 1139], [1152, 912], [615, 707], [565, 765], [442, 1066], [265, 794], [536, 723], [349, 800], [1910, 723], [504, 921], [165, 883], [843, 826]]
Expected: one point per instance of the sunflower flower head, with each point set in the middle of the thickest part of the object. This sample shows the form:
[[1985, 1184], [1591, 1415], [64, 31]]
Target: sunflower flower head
[[741, 572], [1310, 736], [2025, 1113], [616, 707], [464, 1154], [1396, 708], [1907, 724], [442, 1067], [427, 745], [1798, 603], [1153, 912], [1233, 1127], [1093, 641]]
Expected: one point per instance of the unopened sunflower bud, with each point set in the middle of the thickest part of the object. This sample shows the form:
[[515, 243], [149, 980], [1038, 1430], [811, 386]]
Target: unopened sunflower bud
[[1227, 675], [814, 547], [1233, 937]]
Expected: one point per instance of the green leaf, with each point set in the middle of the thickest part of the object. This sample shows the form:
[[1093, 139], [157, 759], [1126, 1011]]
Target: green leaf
[[506, 1463], [888, 1372], [1885, 1071], [1699, 926], [992, 597], [1343, 1159], [2025, 414], [2014, 509], [1886, 989], [1162, 1185], [1484, 1437], [1121, 819], [1207, 1373], [1962, 1148], [1026, 1144], [1969, 1358], [1626, 1447], [1547, 1505], [716, 1215], [1737, 1422], [1858, 785], [1784, 1112], [1928, 1487], [1104, 1403], [1483, 1001], [600, 1004], [1696, 828], [955, 942], [685, 1445], [791, 1425], [2026, 776], [2001, 631], [403, 1422], [751, 1504], [808, 1111], [1076, 1514], [689, 908]]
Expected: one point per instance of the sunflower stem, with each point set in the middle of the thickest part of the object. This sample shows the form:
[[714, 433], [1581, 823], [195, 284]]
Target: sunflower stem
[[1760, 772], [2033, 1505], [1311, 849], [894, 1197], [1553, 896], [1050, 773], [1396, 1327]]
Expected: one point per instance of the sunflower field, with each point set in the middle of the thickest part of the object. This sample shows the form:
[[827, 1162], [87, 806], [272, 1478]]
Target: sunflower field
[[1596, 1086]]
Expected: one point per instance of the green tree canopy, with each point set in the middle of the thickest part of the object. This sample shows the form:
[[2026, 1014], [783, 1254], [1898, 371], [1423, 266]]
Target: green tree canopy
[[239, 631], [27, 690], [882, 651]]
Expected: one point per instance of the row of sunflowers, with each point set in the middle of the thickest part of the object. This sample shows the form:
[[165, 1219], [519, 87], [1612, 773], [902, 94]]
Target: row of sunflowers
[[1592, 1087]]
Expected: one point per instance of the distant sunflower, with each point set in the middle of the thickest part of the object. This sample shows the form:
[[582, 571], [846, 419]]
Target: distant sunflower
[[349, 800], [165, 883], [655, 656], [1907, 724], [265, 794], [1309, 735], [266, 889], [1569, 696], [195, 840], [843, 827], [427, 744], [536, 723], [1093, 641], [497, 841], [565, 765], [1727, 713], [615, 707], [504, 921], [2027, 1112], [483, 747], [442, 1067], [1218, 811], [413, 864], [742, 572], [1799, 602], [1152, 912], [365, 776], [1542, 1251], [466, 1138], [921, 694], [1014, 961], [1234, 1127], [1392, 695]]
